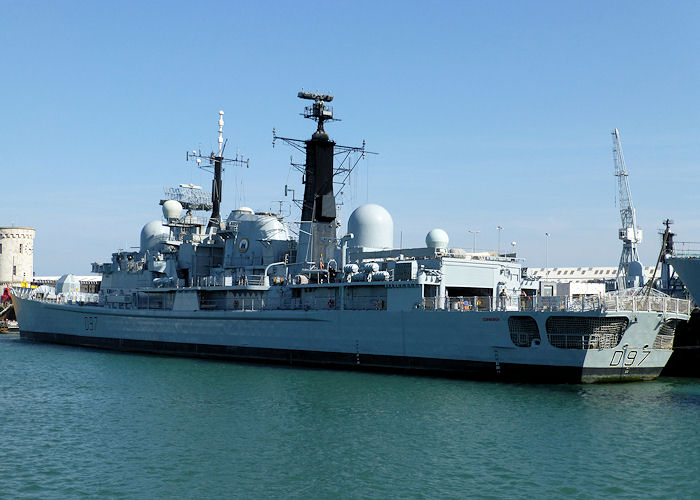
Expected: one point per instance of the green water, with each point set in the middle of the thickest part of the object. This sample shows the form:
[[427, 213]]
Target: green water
[[77, 422]]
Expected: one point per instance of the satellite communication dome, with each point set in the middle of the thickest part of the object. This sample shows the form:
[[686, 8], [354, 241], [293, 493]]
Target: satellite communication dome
[[152, 234], [372, 227], [437, 238], [172, 209]]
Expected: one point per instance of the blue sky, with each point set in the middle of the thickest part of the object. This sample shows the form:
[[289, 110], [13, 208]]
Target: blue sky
[[484, 114]]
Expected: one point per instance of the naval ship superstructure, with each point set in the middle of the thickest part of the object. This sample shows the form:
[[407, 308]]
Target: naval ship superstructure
[[245, 288]]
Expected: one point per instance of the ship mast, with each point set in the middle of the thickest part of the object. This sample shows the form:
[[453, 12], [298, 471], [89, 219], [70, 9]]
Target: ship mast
[[318, 213], [317, 231], [216, 162]]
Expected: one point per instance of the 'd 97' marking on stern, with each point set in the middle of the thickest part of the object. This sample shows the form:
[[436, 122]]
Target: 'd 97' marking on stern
[[619, 357]]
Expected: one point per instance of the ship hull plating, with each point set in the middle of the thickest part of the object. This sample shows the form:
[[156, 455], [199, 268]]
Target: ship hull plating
[[466, 345]]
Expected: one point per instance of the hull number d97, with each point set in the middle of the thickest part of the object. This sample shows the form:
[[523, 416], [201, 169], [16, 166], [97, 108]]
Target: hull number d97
[[619, 358]]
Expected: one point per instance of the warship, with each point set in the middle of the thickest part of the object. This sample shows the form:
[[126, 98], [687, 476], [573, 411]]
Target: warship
[[245, 287], [683, 259], [686, 263]]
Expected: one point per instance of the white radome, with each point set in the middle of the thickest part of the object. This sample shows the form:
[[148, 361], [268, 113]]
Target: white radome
[[437, 238], [172, 209], [152, 234], [372, 227]]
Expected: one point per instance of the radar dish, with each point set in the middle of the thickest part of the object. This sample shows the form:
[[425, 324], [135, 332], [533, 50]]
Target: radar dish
[[190, 197]]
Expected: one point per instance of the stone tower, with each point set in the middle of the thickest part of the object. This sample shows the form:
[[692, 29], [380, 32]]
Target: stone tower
[[16, 254]]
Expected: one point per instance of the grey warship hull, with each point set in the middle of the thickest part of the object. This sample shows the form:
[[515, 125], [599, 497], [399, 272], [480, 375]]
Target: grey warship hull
[[448, 343]]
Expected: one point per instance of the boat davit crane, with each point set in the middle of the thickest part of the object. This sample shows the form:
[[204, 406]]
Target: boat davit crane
[[630, 270]]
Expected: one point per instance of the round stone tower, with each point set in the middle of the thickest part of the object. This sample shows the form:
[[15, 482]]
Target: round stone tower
[[16, 254]]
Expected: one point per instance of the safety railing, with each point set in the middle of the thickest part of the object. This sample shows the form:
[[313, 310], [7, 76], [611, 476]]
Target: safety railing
[[686, 249], [316, 304], [475, 303], [554, 303], [245, 280], [165, 300], [74, 298], [643, 303]]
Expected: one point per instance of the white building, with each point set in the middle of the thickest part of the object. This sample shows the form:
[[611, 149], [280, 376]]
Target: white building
[[16, 254], [581, 274]]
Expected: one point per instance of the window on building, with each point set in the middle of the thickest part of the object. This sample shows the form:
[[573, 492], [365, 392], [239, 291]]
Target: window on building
[[14, 270], [20, 248], [0, 247]]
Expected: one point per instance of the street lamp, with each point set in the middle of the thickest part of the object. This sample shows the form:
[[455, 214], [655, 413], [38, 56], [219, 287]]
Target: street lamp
[[473, 233], [499, 238], [546, 249]]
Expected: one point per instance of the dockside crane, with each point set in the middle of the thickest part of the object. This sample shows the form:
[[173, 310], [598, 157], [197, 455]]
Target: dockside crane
[[630, 271]]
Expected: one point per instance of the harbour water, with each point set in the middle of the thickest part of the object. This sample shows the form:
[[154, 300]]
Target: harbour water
[[85, 422]]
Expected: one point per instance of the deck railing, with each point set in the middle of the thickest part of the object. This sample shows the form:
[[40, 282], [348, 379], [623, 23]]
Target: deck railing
[[610, 303], [317, 304], [543, 303], [686, 249]]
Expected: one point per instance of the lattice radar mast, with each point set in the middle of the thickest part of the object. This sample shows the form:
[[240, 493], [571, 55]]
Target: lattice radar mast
[[215, 164], [629, 272]]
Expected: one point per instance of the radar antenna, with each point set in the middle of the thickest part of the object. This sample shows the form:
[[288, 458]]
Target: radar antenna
[[215, 164], [191, 197], [629, 233], [318, 111]]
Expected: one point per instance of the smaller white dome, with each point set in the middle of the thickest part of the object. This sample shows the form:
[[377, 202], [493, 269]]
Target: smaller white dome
[[245, 210], [437, 238], [172, 209]]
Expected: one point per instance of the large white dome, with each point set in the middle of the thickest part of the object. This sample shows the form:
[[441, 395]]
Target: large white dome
[[153, 233], [372, 226]]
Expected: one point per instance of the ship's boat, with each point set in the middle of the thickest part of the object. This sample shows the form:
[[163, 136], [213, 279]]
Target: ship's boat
[[245, 287]]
